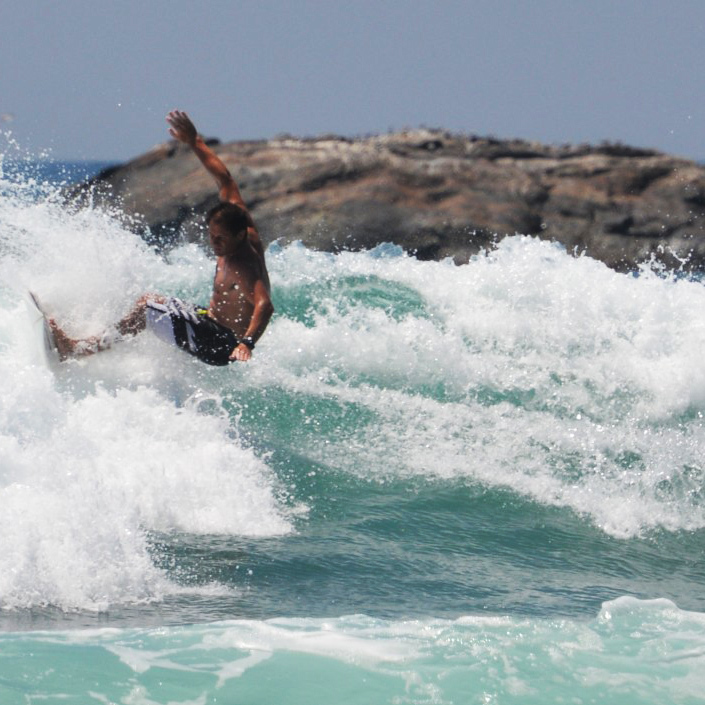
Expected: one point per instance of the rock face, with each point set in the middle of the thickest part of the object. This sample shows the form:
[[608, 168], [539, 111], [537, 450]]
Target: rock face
[[434, 193]]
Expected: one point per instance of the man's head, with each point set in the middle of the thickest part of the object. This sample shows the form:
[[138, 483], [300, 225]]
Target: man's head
[[227, 226]]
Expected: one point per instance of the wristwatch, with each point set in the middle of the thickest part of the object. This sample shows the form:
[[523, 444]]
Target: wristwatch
[[247, 341]]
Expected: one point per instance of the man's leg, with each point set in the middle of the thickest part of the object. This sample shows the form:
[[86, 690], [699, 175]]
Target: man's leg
[[132, 324], [136, 321]]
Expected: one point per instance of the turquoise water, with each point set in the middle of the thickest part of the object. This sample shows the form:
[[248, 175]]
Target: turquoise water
[[636, 652], [432, 484]]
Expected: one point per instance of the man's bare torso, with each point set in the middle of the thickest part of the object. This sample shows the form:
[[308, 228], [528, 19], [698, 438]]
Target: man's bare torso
[[233, 301]]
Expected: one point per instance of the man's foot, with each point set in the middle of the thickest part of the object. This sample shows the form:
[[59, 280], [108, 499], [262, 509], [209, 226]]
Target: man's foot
[[65, 346]]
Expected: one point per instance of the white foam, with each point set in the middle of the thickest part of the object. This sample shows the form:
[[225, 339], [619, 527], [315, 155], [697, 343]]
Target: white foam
[[560, 379], [98, 452]]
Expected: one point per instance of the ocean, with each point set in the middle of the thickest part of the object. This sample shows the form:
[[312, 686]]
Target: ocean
[[432, 484]]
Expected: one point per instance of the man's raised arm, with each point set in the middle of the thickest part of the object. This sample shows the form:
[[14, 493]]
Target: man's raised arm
[[182, 129]]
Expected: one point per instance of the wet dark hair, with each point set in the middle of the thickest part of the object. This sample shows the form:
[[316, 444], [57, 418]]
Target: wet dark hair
[[233, 217]]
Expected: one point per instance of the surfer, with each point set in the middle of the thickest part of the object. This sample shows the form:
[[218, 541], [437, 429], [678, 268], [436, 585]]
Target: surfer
[[240, 305]]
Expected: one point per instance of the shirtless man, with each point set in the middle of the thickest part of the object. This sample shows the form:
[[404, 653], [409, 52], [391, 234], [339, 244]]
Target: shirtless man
[[240, 306]]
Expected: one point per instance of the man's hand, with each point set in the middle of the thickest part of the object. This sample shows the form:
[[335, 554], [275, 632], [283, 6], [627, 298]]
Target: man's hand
[[182, 128], [241, 353]]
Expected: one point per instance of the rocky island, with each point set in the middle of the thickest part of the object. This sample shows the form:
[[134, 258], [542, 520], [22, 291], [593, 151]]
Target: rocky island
[[435, 193]]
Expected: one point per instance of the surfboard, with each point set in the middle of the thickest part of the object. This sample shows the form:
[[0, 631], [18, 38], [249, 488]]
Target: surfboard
[[47, 334]]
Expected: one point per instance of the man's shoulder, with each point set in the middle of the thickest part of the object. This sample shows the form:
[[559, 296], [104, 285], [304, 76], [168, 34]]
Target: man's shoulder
[[248, 259], [255, 241]]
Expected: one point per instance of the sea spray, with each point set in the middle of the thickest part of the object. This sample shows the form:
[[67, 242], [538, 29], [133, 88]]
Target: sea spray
[[97, 453]]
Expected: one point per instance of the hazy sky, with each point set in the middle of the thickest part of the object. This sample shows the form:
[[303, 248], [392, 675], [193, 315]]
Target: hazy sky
[[94, 79]]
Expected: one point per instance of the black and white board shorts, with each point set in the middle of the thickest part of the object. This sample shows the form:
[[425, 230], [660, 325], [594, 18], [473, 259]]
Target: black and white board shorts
[[191, 328]]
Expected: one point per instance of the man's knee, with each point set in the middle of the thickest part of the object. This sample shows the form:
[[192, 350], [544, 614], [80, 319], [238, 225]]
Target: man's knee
[[136, 321]]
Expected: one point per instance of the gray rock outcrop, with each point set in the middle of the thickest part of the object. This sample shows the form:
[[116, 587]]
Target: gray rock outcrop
[[434, 193]]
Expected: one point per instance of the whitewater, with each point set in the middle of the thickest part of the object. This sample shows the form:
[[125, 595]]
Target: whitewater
[[431, 484]]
